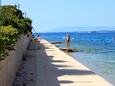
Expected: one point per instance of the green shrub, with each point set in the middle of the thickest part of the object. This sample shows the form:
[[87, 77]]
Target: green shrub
[[12, 24], [10, 15], [8, 38]]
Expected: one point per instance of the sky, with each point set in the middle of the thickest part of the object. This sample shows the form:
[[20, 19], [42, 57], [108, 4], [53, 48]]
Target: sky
[[56, 15]]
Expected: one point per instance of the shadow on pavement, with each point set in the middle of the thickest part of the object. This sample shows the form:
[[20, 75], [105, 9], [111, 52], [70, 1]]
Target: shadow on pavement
[[48, 72]]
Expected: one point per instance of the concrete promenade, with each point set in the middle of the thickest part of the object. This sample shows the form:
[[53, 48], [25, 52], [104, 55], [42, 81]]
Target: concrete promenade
[[55, 68]]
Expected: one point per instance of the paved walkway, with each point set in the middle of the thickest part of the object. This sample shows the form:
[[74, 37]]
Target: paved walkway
[[55, 68]]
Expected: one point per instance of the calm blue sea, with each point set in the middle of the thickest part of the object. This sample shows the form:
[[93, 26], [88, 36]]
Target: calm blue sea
[[97, 50]]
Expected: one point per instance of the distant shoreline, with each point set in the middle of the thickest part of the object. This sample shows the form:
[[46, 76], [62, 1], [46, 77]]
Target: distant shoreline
[[98, 31]]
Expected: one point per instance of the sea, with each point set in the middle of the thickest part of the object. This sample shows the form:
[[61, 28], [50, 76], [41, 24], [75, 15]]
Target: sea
[[96, 50]]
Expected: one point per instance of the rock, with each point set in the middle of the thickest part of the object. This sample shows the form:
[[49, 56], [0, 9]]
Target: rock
[[55, 42], [69, 50]]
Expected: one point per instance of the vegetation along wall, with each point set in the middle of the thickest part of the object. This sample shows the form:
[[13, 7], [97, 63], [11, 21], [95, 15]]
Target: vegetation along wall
[[13, 41]]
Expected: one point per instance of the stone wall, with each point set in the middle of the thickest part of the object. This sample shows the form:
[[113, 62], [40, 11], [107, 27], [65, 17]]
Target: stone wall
[[10, 65]]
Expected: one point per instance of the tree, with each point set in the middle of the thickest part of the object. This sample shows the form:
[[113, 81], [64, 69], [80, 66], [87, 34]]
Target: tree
[[12, 24], [10, 15]]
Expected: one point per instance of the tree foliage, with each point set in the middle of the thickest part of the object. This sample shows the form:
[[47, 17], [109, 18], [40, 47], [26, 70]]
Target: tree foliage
[[12, 24], [8, 37], [10, 15]]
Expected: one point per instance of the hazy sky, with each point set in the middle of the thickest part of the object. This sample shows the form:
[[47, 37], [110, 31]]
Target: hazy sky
[[50, 14]]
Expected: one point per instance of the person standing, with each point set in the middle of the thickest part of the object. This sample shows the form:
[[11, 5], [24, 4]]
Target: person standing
[[38, 41], [68, 41]]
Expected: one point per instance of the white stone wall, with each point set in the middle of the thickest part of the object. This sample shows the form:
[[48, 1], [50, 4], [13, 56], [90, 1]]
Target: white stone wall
[[9, 66]]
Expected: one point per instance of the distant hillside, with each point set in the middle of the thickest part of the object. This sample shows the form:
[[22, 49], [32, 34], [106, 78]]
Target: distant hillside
[[77, 29]]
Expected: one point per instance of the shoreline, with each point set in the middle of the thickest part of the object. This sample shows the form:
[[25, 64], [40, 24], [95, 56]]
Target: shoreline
[[94, 67], [97, 79], [97, 65], [49, 66]]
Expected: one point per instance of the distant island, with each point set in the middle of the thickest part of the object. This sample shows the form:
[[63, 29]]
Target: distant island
[[99, 29]]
